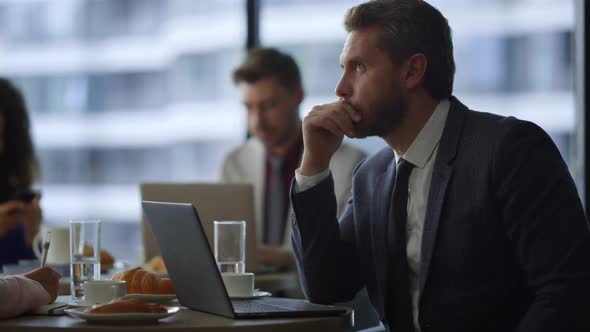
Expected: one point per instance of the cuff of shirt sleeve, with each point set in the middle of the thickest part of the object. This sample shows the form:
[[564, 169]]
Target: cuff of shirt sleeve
[[303, 182]]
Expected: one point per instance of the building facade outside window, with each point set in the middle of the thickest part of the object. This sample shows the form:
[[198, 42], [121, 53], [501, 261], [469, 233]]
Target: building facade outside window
[[513, 57], [126, 91], [121, 92]]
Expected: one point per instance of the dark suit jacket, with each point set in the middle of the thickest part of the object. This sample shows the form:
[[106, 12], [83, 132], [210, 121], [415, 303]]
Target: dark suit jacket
[[505, 246]]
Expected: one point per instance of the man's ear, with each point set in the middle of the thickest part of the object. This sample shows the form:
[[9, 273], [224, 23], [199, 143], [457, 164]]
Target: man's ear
[[414, 70]]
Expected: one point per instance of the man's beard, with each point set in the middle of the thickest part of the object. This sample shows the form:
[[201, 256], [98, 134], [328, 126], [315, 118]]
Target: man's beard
[[381, 118]]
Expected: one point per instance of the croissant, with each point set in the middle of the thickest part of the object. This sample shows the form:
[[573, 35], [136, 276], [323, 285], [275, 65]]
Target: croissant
[[156, 264], [118, 306], [107, 261], [143, 282]]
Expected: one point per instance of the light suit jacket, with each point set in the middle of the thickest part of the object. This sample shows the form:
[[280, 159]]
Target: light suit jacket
[[247, 164]]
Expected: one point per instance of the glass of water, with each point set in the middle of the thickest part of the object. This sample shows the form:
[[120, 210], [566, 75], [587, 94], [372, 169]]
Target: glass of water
[[230, 245], [84, 254]]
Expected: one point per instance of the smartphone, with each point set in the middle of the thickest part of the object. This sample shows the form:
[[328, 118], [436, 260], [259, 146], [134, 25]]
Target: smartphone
[[26, 195]]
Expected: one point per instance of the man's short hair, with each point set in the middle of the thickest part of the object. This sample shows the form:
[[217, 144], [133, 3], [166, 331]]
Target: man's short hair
[[409, 27], [268, 62]]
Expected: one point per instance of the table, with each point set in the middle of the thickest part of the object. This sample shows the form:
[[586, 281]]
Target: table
[[185, 320], [271, 282]]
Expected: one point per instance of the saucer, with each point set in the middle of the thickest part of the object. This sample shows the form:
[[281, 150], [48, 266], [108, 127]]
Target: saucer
[[123, 318], [255, 295]]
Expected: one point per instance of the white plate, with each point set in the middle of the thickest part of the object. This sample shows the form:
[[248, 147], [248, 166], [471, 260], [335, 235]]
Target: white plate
[[67, 299], [257, 294], [154, 298], [124, 318]]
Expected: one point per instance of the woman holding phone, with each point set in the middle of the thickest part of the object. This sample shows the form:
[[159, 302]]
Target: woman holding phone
[[20, 214]]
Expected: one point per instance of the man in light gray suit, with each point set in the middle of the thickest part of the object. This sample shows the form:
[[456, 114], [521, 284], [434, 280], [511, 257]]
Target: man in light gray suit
[[271, 91], [467, 221]]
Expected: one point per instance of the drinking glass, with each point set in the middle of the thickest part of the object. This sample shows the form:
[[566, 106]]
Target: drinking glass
[[84, 254], [230, 245]]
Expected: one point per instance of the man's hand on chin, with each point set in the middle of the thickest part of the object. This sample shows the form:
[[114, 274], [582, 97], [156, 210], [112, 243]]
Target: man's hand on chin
[[323, 130]]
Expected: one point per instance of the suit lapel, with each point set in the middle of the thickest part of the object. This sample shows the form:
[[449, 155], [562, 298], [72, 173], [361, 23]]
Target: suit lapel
[[441, 176], [440, 180], [380, 205]]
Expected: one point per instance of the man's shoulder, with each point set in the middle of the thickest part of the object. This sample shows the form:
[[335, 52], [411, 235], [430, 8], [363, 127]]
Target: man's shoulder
[[245, 150], [497, 128], [477, 121], [485, 140]]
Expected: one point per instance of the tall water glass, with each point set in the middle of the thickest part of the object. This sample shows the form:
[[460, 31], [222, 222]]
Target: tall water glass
[[230, 245], [84, 254]]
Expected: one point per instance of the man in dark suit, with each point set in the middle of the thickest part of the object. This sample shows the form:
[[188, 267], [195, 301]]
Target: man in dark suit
[[475, 226]]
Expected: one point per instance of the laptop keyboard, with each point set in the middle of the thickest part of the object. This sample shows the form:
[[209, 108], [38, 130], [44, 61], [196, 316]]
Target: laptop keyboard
[[255, 306]]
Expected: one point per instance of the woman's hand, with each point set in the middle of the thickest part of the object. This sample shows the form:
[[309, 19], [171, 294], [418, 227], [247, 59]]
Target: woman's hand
[[48, 278]]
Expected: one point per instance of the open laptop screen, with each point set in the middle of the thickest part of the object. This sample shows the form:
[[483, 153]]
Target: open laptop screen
[[188, 257]]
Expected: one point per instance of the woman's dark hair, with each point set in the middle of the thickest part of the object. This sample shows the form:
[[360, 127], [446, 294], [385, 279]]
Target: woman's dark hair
[[18, 163]]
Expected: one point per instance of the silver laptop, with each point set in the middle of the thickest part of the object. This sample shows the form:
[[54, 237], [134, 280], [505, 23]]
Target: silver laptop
[[194, 273], [215, 201]]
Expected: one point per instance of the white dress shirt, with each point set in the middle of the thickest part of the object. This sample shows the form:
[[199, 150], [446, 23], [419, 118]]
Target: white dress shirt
[[422, 153]]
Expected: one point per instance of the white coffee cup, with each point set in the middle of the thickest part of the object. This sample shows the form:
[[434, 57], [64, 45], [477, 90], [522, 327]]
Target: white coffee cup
[[238, 284], [59, 249], [103, 291]]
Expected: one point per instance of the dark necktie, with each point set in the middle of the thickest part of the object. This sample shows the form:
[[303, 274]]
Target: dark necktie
[[275, 218], [399, 303]]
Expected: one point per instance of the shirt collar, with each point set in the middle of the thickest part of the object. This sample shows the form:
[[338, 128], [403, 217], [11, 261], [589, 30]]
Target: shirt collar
[[293, 154], [425, 143]]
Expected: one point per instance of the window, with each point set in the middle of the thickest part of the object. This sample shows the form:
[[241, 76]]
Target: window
[[140, 90], [513, 57], [126, 91]]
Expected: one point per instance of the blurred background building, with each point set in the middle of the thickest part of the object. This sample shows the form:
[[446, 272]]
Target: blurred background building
[[126, 91]]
